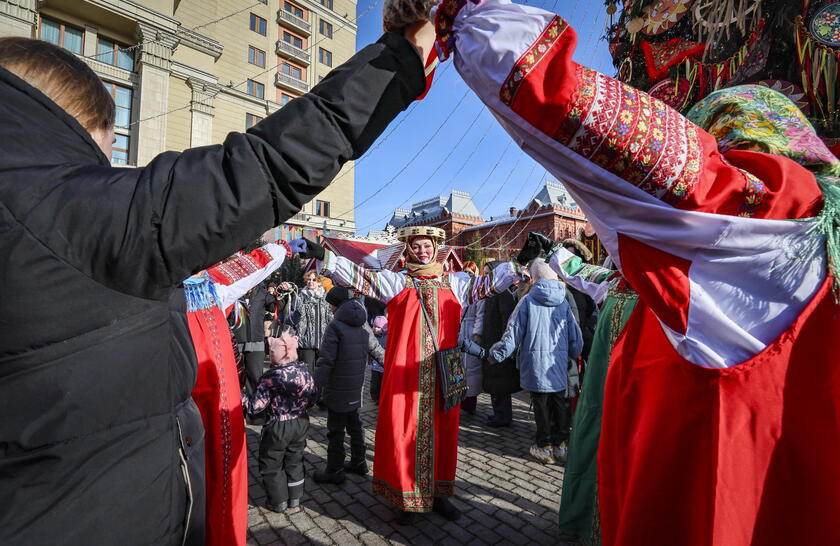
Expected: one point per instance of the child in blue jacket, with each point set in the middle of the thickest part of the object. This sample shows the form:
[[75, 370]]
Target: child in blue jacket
[[543, 329]]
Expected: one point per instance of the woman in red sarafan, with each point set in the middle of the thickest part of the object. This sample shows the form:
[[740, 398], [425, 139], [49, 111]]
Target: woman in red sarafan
[[210, 296], [416, 440]]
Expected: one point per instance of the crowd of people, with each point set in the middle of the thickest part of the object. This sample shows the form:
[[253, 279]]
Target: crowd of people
[[707, 345]]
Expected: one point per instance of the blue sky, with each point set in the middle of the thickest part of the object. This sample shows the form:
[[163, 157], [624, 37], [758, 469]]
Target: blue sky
[[449, 140]]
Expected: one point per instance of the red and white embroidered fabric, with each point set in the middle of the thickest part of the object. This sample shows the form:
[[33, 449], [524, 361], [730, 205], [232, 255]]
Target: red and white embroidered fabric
[[720, 408], [233, 278], [661, 197]]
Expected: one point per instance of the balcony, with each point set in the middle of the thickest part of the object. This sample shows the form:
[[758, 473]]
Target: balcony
[[289, 83], [292, 21], [288, 51]]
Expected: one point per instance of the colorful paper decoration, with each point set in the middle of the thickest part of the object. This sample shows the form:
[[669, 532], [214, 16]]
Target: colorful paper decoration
[[662, 56], [791, 91], [663, 15], [825, 25], [675, 94]]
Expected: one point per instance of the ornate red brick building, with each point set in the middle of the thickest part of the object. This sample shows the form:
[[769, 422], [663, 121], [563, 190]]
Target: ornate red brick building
[[452, 214], [552, 212]]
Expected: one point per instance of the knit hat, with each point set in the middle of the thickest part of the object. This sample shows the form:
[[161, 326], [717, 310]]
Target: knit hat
[[381, 322], [338, 295], [540, 270]]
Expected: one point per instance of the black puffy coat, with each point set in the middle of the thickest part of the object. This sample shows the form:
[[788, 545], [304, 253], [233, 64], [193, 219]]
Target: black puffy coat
[[345, 350], [90, 399], [502, 378]]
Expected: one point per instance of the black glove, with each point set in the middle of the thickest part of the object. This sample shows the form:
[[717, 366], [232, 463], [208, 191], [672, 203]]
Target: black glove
[[313, 250], [536, 243]]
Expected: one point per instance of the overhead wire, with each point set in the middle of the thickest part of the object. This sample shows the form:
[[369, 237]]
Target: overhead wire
[[439, 166]]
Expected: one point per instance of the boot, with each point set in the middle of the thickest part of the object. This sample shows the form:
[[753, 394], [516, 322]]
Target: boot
[[446, 509], [325, 476], [360, 468]]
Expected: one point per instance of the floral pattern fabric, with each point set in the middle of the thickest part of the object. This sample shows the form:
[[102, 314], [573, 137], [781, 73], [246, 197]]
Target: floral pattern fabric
[[285, 392], [759, 119]]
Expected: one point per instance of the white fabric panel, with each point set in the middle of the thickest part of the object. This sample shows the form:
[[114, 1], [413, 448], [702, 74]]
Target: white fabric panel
[[228, 294], [750, 278]]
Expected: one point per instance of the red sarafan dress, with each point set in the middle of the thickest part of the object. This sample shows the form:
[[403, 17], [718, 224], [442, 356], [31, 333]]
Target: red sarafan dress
[[416, 449], [217, 391], [720, 417]]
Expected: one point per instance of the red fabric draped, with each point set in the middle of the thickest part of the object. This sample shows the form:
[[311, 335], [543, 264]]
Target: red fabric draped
[[217, 396], [736, 456]]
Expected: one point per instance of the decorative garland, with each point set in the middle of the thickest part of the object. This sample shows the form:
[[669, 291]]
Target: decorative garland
[[818, 67]]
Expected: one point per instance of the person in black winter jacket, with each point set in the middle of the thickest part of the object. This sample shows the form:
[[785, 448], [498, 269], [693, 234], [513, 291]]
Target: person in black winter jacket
[[97, 422], [340, 376], [249, 333]]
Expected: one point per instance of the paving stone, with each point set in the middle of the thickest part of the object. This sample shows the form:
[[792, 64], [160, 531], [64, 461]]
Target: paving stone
[[505, 496], [372, 539]]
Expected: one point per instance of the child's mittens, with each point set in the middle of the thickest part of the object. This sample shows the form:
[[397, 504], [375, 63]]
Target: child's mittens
[[398, 14]]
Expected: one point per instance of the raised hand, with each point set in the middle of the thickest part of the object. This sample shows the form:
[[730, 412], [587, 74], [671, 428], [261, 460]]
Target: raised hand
[[307, 249]]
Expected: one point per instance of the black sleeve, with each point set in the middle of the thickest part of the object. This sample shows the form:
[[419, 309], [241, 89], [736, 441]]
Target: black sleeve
[[143, 230], [326, 358]]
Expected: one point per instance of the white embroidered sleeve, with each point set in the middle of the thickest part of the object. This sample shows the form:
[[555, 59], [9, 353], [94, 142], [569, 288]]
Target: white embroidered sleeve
[[228, 294], [379, 285], [469, 290]]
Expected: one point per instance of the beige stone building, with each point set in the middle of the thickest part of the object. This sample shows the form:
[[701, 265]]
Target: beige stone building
[[185, 73]]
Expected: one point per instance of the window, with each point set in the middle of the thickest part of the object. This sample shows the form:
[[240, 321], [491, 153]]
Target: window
[[325, 28], [256, 89], [258, 24], [251, 120], [119, 151], [70, 38], [327, 3], [256, 56], [293, 40], [113, 53], [322, 208], [292, 70], [122, 101], [325, 56], [293, 9], [285, 98]]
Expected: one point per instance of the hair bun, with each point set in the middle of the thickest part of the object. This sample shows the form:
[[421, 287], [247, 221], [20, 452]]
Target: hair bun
[[398, 14]]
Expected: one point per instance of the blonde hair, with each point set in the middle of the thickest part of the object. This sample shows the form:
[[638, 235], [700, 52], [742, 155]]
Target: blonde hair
[[62, 77]]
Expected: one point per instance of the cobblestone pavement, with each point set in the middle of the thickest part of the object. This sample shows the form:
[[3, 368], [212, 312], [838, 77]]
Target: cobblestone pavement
[[506, 497]]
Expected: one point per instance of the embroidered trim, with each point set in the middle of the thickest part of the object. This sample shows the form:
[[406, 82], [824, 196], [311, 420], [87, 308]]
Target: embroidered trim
[[634, 136], [755, 193], [407, 501], [531, 58], [445, 16], [228, 272], [424, 465], [285, 244], [224, 407]]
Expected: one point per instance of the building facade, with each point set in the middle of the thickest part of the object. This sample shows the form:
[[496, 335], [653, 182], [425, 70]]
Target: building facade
[[552, 212], [452, 214], [185, 73]]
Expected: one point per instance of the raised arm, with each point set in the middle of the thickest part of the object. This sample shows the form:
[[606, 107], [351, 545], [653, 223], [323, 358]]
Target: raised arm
[[235, 277], [688, 226], [379, 285], [470, 290], [186, 211]]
